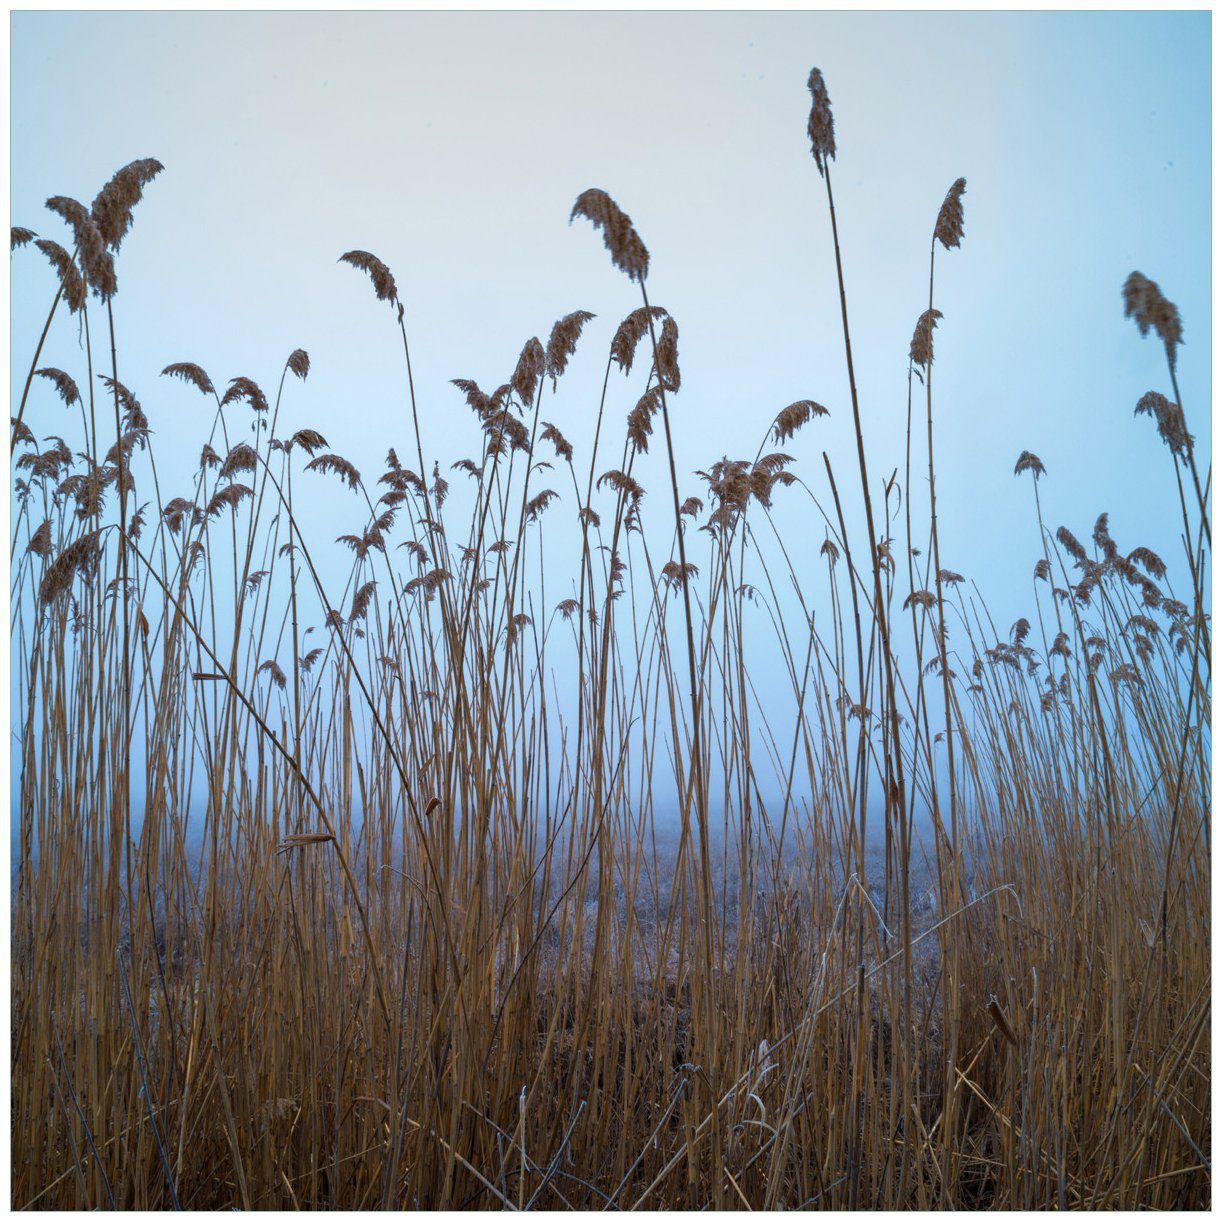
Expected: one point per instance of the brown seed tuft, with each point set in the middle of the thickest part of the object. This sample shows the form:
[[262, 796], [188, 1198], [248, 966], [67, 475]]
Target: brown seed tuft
[[299, 363], [628, 252], [790, 419], [229, 497], [240, 459], [537, 504], [96, 261], [948, 229], [1170, 419], [562, 342], [640, 419], [309, 440], [61, 572], [272, 669], [377, 271], [360, 602], [529, 370], [66, 387], [245, 389], [551, 433], [19, 236], [71, 282], [40, 540], [820, 127], [630, 333], [1145, 304], [1029, 462], [920, 350], [191, 374], [112, 208], [333, 464]]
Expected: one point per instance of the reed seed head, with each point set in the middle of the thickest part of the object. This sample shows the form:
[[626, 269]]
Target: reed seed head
[[376, 270], [790, 419], [63, 384], [920, 350], [820, 127], [1170, 419], [948, 229], [562, 342], [630, 333], [529, 370], [1145, 304], [113, 206], [71, 283], [628, 252], [191, 374], [1029, 462]]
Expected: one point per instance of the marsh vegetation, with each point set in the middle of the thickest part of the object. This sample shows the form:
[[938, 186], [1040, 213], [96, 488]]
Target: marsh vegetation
[[495, 875]]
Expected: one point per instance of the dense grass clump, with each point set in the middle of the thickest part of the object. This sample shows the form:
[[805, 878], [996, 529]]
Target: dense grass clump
[[362, 895]]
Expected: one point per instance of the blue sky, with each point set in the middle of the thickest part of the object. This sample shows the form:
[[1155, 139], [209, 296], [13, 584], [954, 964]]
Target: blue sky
[[453, 145]]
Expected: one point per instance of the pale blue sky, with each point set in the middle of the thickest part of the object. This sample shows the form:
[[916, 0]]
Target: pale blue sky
[[453, 145]]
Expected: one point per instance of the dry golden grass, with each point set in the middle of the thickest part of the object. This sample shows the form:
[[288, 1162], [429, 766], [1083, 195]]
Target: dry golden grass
[[365, 898]]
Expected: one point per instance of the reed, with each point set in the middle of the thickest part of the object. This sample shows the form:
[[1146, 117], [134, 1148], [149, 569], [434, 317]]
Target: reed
[[353, 885]]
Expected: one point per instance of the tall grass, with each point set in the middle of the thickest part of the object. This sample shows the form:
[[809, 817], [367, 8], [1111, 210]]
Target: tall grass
[[365, 896]]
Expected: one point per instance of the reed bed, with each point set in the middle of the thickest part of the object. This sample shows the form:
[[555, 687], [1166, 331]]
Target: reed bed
[[498, 874]]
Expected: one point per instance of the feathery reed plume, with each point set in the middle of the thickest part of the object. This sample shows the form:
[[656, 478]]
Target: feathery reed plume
[[308, 440], [628, 252], [229, 497], [360, 602], [550, 432], [820, 127], [329, 464], [537, 504], [96, 261], [920, 598], [790, 419], [245, 390], [19, 236], [40, 540], [528, 371], [624, 484], [114, 203], [240, 459], [667, 361], [64, 385], [629, 334], [299, 363], [70, 279], [562, 342], [62, 571], [376, 270], [1145, 304], [1070, 543], [272, 669], [948, 229], [190, 373], [133, 413], [180, 512], [640, 419], [674, 575], [920, 350], [1170, 420], [1029, 462], [1150, 561]]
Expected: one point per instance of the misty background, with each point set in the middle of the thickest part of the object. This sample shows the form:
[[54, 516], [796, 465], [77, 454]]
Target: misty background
[[453, 146]]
